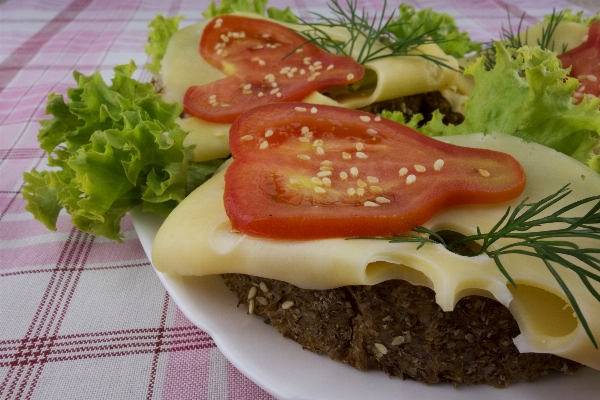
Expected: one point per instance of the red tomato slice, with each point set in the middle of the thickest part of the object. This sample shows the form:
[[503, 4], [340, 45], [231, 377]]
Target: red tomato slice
[[265, 64], [584, 61], [308, 172]]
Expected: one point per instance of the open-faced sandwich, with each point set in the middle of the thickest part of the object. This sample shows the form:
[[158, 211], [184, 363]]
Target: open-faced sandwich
[[471, 257]]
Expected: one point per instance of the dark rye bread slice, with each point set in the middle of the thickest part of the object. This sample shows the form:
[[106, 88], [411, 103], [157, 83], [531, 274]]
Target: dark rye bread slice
[[399, 328]]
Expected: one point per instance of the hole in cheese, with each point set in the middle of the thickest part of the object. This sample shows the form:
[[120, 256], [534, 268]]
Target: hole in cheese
[[463, 248], [546, 313], [378, 271]]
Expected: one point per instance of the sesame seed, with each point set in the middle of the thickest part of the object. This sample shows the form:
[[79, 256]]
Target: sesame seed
[[304, 129], [327, 182], [351, 191], [313, 110], [263, 145], [343, 175], [252, 292], [262, 301], [361, 183], [273, 91], [247, 86], [300, 109], [592, 78], [327, 163], [270, 78], [269, 133], [398, 340], [306, 60], [304, 139], [360, 192], [354, 171], [294, 182], [318, 142], [371, 131], [346, 156], [350, 77], [438, 164], [370, 204], [287, 304], [381, 348], [278, 94], [382, 200], [263, 286], [246, 138], [212, 97], [303, 157], [218, 23], [320, 151], [245, 91], [251, 307], [484, 172], [402, 171], [360, 146], [411, 179], [372, 179], [274, 84], [420, 168], [329, 67], [320, 190], [377, 118], [365, 118], [376, 189], [302, 71], [300, 50], [262, 62], [326, 168], [260, 94], [316, 181], [324, 173], [362, 155]]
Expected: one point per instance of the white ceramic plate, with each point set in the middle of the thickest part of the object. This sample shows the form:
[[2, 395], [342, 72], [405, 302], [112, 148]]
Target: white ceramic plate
[[285, 370]]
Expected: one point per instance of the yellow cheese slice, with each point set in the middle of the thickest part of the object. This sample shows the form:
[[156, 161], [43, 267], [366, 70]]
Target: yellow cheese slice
[[182, 67], [566, 36], [197, 239]]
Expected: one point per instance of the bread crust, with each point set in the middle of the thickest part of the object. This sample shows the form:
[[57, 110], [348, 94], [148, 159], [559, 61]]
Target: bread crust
[[399, 328]]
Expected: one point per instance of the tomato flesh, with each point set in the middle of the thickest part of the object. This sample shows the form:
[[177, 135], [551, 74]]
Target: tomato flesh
[[309, 172], [265, 62], [584, 61]]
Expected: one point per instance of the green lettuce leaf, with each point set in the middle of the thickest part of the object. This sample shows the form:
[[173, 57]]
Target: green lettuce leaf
[[529, 96], [398, 117], [159, 34], [111, 148], [440, 27], [251, 6]]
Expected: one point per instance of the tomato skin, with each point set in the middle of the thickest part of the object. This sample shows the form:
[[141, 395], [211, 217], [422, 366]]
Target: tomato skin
[[263, 66], [584, 61], [272, 192]]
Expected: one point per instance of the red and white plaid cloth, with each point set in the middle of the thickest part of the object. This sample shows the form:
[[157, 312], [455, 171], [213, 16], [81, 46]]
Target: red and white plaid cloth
[[82, 317]]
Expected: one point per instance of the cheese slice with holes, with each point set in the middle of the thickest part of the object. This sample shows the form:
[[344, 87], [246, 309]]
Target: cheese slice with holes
[[182, 67], [196, 239]]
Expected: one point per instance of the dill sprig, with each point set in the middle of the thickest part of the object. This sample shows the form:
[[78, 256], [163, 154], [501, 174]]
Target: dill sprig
[[551, 245], [515, 40], [371, 37]]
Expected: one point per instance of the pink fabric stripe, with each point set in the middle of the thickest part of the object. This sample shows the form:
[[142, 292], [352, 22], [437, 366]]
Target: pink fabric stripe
[[21, 56]]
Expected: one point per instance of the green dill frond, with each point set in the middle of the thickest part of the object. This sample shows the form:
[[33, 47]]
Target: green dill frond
[[371, 37], [518, 38]]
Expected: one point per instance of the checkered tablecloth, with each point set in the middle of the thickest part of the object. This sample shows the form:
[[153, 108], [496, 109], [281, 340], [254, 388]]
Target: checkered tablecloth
[[82, 317]]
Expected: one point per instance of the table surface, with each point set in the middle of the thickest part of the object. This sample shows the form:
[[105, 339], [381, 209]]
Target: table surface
[[82, 317]]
